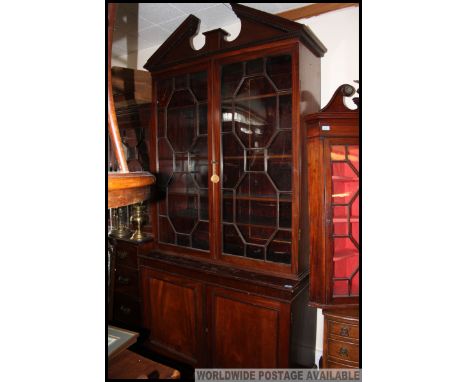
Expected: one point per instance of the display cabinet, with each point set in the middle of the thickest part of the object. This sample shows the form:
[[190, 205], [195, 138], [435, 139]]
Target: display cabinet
[[229, 149], [230, 220], [333, 151]]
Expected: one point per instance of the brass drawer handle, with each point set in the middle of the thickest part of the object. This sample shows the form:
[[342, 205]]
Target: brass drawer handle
[[123, 280], [344, 332], [343, 352], [122, 254], [125, 309]]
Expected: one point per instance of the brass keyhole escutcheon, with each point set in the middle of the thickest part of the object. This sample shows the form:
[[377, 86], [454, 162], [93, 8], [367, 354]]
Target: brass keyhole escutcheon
[[214, 178]]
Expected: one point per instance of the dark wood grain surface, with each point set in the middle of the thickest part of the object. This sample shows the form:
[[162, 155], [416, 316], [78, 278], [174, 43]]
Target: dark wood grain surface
[[129, 365]]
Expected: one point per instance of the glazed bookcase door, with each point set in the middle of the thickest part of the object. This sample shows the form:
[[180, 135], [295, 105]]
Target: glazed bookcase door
[[256, 157], [182, 147], [343, 217]]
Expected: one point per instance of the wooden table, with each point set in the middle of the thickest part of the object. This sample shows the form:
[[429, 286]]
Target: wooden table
[[129, 365]]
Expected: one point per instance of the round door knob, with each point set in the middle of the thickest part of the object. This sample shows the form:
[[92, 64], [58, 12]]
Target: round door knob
[[215, 178]]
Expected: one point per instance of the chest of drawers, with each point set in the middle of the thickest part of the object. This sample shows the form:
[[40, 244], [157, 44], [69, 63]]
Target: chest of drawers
[[126, 295], [341, 338]]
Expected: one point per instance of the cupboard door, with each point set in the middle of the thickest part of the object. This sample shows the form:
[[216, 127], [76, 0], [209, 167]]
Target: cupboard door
[[256, 158], [173, 313], [182, 147], [343, 196], [247, 331]]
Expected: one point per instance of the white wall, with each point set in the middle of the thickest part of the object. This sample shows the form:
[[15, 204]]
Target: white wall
[[339, 32]]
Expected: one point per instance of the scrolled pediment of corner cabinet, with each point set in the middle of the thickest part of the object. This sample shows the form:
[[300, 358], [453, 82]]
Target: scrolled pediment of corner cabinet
[[128, 188], [257, 28]]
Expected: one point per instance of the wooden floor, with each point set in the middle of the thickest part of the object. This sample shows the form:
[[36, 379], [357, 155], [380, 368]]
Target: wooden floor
[[130, 365], [187, 372]]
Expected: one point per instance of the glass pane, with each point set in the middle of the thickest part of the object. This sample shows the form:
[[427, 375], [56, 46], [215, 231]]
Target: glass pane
[[227, 117], [201, 236], [255, 121], [256, 186], [340, 214], [285, 214], [202, 119], [233, 164], [181, 128], [340, 228], [280, 171], [281, 146], [162, 123], [181, 82], [279, 249], [285, 112], [228, 206], [255, 252], [204, 214], [345, 183], [166, 162], [256, 234], [256, 212], [166, 233], [353, 156], [232, 242], [232, 170], [340, 288], [183, 240], [164, 91], [279, 70], [338, 153], [162, 207], [183, 161], [183, 206], [256, 154], [254, 66], [230, 79], [255, 86], [199, 161], [255, 160], [345, 208], [198, 85], [355, 285]]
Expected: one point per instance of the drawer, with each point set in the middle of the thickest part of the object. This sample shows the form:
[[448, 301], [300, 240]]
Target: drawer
[[343, 350], [126, 281], [126, 310], [126, 254], [343, 329], [331, 364]]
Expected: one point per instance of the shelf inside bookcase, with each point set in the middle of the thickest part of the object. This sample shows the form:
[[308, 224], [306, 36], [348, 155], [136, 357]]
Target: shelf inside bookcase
[[261, 198], [338, 178], [342, 254], [259, 156], [344, 219]]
